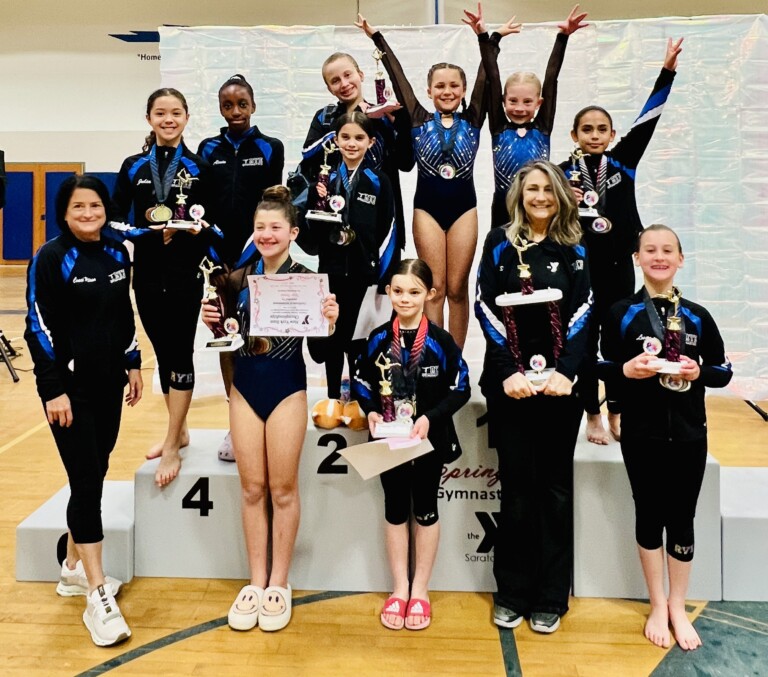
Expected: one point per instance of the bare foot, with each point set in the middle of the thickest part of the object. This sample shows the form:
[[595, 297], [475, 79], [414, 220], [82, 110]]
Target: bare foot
[[614, 425], [657, 626], [170, 464], [419, 616], [595, 431], [156, 450], [685, 634], [392, 615]]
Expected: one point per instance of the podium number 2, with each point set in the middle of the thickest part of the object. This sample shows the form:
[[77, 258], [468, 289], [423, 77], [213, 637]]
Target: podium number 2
[[328, 464], [203, 504]]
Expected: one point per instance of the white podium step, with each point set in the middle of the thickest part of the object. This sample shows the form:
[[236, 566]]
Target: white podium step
[[38, 534], [606, 563], [744, 495]]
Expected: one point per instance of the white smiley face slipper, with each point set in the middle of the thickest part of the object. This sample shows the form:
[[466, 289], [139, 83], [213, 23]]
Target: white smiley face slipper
[[275, 611], [244, 612]]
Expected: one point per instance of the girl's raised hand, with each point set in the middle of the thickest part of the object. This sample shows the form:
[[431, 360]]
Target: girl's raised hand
[[574, 21], [674, 47], [508, 28], [689, 369], [363, 25], [638, 366], [475, 21]]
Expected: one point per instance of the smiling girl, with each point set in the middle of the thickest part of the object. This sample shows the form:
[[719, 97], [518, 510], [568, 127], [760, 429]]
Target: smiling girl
[[429, 373], [166, 261], [664, 433]]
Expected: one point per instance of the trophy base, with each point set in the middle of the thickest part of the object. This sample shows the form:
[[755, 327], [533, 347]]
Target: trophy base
[[538, 378], [184, 225], [538, 296], [589, 212], [226, 344], [393, 429], [326, 217], [666, 367], [382, 109]]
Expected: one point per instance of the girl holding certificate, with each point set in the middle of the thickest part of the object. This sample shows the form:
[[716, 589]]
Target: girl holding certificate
[[360, 251], [661, 352], [430, 382], [163, 184], [268, 413], [533, 426]]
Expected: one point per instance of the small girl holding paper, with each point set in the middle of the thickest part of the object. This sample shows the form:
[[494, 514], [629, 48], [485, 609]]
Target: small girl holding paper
[[412, 374], [267, 413]]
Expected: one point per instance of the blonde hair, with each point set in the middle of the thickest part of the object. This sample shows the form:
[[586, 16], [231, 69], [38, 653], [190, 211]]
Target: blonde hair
[[564, 228], [523, 78], [338, 56]]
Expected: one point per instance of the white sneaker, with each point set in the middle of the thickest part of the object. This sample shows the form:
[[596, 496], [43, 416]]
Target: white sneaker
[[73, 582], [103, 619], [226, 452], [244, 612]]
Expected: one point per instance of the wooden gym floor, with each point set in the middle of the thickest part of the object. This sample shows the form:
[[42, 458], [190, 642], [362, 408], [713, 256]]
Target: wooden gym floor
[[179, 625]]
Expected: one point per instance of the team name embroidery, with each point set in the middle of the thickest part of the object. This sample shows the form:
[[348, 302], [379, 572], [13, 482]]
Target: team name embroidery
[[578, 264], [430, 372], [610, 183], [116, 276], [143, 181], [691, 339], [79, 280], [253, 162], [365, 198], [552, 265], [220, 162]]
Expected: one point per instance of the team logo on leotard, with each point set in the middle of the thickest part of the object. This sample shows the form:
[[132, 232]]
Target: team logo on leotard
[[651, 345], [447, 171]]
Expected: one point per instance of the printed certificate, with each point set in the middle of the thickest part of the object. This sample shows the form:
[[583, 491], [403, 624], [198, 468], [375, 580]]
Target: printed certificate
[[288, 304]]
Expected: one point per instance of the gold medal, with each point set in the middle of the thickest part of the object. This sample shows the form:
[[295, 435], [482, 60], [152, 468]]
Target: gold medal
[[159, 214]]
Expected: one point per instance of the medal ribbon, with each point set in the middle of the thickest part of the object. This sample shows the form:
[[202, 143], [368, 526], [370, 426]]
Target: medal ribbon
[[162, 188], [447, 137], [602, 178], [410, 369]]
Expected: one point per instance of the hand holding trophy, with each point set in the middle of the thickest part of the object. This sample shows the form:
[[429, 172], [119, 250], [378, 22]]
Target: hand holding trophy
[[226, 332], [385, 98]]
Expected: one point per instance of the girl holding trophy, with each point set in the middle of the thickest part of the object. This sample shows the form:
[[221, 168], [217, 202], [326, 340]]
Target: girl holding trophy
[[267, 415], [533, 304], [168, 188], [604, 183], [422, 380], [661, 352]]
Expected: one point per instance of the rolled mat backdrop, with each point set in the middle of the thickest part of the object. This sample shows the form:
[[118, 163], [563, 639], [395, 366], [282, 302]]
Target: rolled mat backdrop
[[705, 172]]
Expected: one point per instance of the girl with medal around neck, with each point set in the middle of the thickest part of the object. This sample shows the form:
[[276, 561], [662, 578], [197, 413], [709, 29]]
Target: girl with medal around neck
[[663, 429], [604, 184], [359, 252], [267, 417], [158, 184], [521, 117], [430, 382], [244, 162], [534, 428], [391, 151], [445, 143]]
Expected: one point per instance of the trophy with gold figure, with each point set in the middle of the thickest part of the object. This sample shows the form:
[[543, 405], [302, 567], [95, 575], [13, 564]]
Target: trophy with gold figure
[[669, 366], [397, 423], [226, 332], [386, 102]]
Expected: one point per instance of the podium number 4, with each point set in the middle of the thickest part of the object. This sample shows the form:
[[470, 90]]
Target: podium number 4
[[203, 504]]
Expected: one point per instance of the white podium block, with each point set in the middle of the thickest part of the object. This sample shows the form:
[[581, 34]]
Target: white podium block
[[744, 496], [37, 536], [468, 506], [192, 527], [606, 563]]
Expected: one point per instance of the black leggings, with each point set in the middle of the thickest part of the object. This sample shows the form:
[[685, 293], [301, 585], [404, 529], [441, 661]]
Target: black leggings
[[84, 448], [535, 439], [666, 479], [419, 481], [169, 315], [588, 381]]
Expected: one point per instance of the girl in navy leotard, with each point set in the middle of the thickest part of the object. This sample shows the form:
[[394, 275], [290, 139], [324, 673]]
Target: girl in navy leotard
[[445, 205], [521, 117], [267, 416]]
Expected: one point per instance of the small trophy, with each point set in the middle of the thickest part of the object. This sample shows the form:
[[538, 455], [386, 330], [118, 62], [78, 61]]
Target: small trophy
[[591, 197], [385, 98], [184, 219], [669, 368], [335, 202], [398, 422], [226, 332], [539, 372]]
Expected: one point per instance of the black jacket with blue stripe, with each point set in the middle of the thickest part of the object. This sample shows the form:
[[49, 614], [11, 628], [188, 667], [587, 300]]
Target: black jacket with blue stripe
[[80, 326]]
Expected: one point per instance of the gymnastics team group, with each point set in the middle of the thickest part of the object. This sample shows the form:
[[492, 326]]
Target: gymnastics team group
[[570, 231]]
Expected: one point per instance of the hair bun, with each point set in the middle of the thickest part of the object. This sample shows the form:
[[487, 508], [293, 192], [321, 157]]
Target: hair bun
[[277, 193]]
